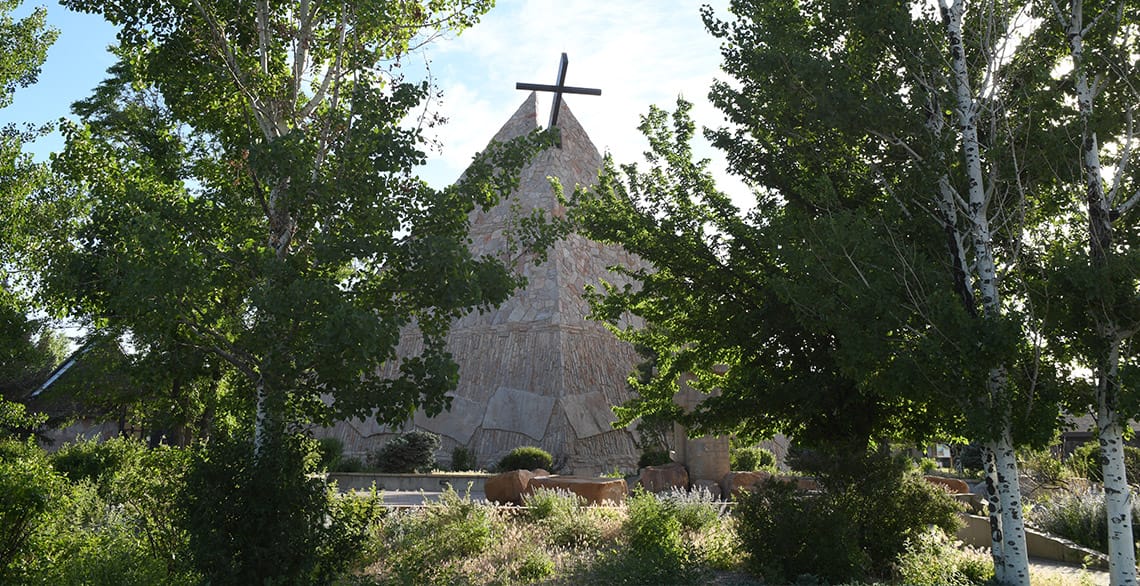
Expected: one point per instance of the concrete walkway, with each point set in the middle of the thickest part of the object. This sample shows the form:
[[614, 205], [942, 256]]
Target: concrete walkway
[[1066, 574]]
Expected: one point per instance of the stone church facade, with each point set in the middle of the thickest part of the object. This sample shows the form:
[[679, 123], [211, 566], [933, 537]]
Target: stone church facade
[[533, 371]]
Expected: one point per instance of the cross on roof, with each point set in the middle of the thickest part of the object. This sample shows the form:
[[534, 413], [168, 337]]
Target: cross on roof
[[558, 88]]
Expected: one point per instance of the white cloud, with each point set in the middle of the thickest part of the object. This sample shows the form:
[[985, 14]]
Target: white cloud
[[638, 52]]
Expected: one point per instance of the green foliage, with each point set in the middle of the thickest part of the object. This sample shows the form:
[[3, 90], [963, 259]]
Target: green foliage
[[260, 520], [348, 465], [927, 465], [427, 548], [526, 458], [463, 459], [654, 551], [30, 495], [748, 459], [1086, 462], [406, 453], [1078, 516], [561, 514], [856, 527], [930, 559], [97, 461], [694, 509], [331, 452], [1043, 467], [653, 458]]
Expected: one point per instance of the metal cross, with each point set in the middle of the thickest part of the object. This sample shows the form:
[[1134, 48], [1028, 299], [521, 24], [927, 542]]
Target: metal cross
[[558, 88]]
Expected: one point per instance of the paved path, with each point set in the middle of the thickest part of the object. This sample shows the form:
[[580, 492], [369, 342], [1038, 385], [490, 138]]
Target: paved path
[[1069, 574]]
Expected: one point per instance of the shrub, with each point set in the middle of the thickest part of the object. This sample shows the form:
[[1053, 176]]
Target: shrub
[[330, 451], [931, 559], [749, 459], [1080, 517], [348, 465], [855, 527], [655, 551], [526, 458], [695, 510], [927, 465], [1042, 466], [1085, 461], [97, 461], [427, 547], [559, 512], [410, 452], [653, 458], [463, 459], [265, 519], [30, 497], [971, 457]]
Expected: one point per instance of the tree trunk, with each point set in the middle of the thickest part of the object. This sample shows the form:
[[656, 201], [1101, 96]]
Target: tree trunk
[[1015, 554], [1117, 494], [994, 508]]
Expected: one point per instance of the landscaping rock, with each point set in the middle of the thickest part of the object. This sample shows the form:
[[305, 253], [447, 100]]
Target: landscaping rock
[[540, 472], [595, 491], [735, 483], [710, 485], [954, 485], [508, 487], [662, 478]]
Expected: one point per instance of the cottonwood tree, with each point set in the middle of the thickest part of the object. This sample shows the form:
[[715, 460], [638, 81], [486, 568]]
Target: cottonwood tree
[[24, 351], [884, 250], [242, 187]]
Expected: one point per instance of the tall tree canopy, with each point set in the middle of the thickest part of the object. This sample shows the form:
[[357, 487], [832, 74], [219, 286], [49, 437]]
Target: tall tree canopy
[[23, 49], [240, 195], [882, 276]]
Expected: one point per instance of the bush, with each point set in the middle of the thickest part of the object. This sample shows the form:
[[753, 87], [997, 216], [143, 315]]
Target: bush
[[653, 458], [971, 457], [931, 559], [526, 458], [1080, 517], [749, 459], [410, 452], [30, 497], [856, 527], [428, 547], [695, 510], [655, 551], [265, 519], [463, 459], [348, 465], [559, 512], [1085, 461], [97, 461], [330, 451]]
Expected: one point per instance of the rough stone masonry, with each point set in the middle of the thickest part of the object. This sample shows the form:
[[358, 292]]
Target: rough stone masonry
[[534, 371]]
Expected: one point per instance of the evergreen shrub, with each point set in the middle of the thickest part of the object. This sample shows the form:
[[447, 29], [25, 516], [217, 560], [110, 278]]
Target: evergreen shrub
[[407, 453], [655, 457], [463, 459], [752, 458], [526, 458], [330, 451]]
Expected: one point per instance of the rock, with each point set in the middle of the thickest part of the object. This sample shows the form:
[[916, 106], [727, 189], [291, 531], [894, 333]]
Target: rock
[[735, 483], [540, 472], [712, 486], [954, 485], [663, 478], [595, 491], [508, 487], [803, 483]]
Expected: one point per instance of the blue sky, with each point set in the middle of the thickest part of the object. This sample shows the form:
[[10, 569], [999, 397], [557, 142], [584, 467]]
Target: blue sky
[[639, 52]]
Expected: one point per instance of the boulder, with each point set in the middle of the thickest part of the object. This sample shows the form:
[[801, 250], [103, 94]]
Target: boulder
[[508, 487], [662, 478], [710, 485], [540, 472], [595, 491], [803, 483], [954, 485], [735, 483]]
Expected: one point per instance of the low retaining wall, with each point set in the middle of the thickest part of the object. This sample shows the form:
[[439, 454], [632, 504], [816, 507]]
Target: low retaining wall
[[348, 481], [975, 531]]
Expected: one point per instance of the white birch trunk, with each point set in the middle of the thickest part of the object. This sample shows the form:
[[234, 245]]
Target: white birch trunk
[[1013, 525], [1117, 493], [1014, 557], [994, 509], [260, 420]]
